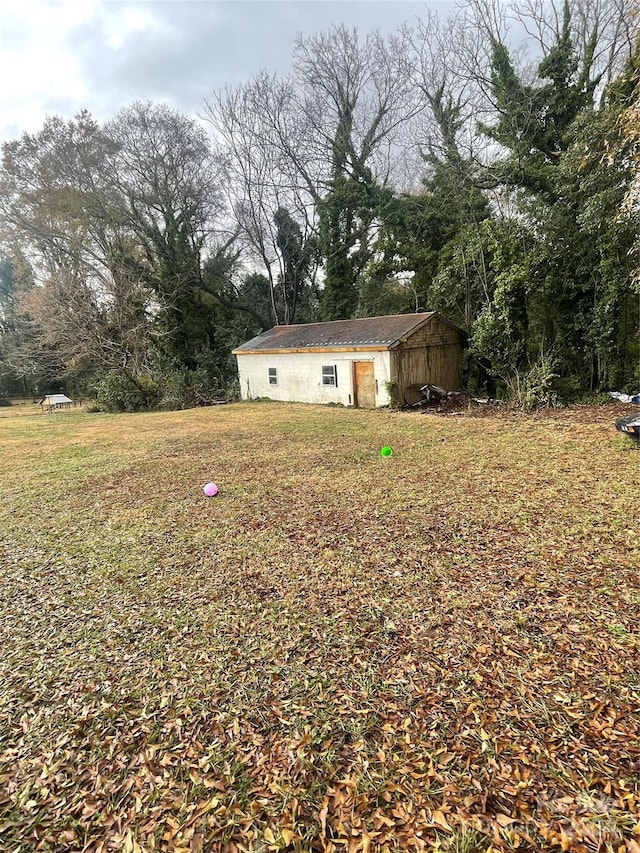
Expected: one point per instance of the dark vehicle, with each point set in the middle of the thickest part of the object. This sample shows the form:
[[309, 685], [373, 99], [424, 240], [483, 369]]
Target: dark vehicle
[[630, 426]]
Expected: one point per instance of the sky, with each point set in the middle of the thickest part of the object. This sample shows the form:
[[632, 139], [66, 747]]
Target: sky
[[58, 57]]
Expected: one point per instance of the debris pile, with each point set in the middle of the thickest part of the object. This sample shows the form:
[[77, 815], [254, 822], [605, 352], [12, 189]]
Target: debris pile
[[437, 399]]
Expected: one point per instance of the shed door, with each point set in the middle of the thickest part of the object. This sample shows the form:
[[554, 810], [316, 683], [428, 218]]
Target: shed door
[[364, 384]]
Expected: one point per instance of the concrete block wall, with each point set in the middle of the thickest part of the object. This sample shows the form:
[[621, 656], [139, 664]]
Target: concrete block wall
[[300, 376]]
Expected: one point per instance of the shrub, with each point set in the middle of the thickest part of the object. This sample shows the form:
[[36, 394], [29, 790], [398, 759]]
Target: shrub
[[232, 392], [533, 388], [568, 388], [395, 400], [170, 389], [187, 389], [117, 393]]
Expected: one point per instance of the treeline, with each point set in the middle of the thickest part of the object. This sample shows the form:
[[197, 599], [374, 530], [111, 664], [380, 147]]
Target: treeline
[[484, 165]]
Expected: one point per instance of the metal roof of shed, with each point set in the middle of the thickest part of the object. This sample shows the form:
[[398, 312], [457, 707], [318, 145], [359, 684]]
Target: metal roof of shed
[[55, 399], [376, 333]]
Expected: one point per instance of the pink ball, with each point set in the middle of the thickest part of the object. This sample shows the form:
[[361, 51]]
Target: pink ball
[[210, 490]]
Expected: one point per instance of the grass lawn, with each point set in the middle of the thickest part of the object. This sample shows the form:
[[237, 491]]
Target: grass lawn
[[340, 652]]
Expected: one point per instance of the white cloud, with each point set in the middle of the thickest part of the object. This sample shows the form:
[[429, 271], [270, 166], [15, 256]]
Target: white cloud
[[119, 22], [40, 65], [58, 56]]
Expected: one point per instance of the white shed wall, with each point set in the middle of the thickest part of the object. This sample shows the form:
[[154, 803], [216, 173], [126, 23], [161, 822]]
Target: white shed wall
[[300, 376]]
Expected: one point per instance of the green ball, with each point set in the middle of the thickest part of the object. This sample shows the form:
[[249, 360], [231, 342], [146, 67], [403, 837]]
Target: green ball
[[386, 451]]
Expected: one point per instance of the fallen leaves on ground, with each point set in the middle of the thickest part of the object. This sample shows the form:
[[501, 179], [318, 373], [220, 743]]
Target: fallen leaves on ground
[[338, 653]]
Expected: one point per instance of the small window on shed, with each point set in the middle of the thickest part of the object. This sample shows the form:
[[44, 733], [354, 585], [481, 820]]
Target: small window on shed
[[273, 376], [330, 374]]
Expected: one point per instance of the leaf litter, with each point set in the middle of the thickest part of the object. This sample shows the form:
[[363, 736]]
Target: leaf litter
[[339, 653]]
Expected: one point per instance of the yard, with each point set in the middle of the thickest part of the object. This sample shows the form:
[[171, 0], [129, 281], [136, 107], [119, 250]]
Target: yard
[[340, 652]]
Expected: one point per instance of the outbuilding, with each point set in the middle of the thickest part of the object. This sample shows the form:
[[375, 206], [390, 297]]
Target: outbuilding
[[51, 402], [368, 362]]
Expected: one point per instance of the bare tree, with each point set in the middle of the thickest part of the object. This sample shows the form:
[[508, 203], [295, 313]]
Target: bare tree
[[59, 207], [253, 124], [451, 98], [55, 195], [116, 220], [169, 182], [86, 332], [604, 32], [165, 174], [288, 140], [355, 96]]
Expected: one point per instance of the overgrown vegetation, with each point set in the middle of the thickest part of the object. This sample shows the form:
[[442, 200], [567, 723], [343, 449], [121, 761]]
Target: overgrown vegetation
[[453, 167], [434, 651]]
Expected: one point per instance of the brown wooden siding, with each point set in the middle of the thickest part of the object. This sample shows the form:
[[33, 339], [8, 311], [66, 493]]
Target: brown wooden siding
[[433, 355], [433, 333], [436, 365]]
